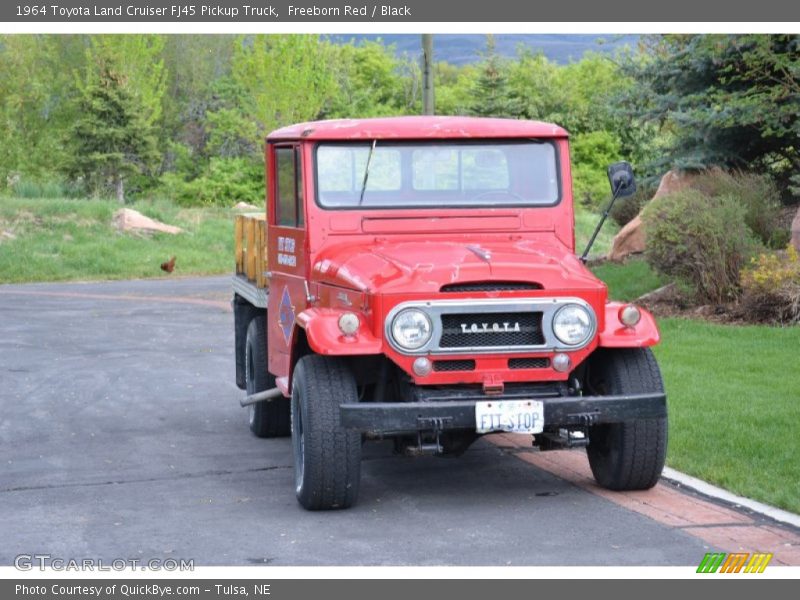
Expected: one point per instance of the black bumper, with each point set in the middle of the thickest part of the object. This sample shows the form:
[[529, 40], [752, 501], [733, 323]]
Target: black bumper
[[407, 417]]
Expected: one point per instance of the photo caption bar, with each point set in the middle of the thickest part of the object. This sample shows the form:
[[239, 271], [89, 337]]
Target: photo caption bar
[[316, 11]]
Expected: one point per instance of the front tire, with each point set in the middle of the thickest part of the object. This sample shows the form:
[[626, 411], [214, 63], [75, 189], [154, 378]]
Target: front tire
[[628, 455], [267, 419], [327, 457]]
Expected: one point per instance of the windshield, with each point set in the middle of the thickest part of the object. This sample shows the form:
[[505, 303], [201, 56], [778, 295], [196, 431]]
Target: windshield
[[385, 174]]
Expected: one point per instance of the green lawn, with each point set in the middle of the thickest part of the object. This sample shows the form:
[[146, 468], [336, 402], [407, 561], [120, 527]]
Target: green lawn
[[65, 239], [733, 394], [630, 280], [734, 402], [73, 239], [585, 222]]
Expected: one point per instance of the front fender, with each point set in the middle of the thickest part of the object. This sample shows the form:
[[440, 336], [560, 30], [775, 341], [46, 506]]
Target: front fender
[[617, 335], [324, 337]]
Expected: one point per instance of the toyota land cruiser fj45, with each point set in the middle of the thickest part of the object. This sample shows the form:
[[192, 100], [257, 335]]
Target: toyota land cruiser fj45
[[416, 278]]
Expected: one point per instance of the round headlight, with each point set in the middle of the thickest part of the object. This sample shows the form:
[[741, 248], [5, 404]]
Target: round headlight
[[572, 324], [411, 328]]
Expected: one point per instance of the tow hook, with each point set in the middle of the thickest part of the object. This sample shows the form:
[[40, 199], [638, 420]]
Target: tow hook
[[493, 386]]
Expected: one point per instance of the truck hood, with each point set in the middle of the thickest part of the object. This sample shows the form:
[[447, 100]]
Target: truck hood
[[423, 267]]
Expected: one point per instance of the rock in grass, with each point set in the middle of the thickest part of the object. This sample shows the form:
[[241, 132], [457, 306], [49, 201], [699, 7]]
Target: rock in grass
[[665, 293], [246, 206], [631, 239], [127, 219]]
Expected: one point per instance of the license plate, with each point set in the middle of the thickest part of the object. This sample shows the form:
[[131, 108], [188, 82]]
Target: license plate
[[513, 416]]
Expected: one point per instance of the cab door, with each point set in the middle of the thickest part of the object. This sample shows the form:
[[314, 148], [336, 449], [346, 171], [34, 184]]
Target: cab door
[[286, 253]]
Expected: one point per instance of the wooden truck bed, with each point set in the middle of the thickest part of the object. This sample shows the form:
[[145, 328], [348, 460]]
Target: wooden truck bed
[[250, 241]]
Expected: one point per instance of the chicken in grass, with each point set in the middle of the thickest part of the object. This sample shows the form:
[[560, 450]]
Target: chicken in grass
[[168, 266]]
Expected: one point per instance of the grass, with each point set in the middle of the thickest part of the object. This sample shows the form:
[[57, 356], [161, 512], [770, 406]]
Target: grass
[[585, 222], [60, 239], [733, 393], [56, 239], [734, 401], [630, 280]]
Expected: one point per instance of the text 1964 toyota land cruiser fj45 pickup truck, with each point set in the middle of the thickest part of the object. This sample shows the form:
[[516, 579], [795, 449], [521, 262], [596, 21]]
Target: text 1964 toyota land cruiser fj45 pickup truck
[[416, 278]]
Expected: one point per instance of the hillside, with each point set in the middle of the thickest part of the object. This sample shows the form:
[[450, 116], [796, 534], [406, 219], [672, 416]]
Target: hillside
[[459, 49]]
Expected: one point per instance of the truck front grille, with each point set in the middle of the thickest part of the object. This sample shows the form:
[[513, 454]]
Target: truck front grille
[[491, 330], [454, 365], [529, 362]]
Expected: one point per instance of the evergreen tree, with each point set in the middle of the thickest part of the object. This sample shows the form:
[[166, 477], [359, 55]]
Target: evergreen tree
[[492, 95], [111, 138], [727, 100]]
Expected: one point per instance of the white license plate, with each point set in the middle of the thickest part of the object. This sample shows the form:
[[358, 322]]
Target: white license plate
[[513, 416]]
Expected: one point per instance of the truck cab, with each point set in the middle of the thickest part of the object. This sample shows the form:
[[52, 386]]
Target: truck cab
[[416, 278]]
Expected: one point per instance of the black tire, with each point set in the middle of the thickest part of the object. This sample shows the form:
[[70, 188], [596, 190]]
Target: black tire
[[629, 455], [243, 313], [327, 457], [267, 419]]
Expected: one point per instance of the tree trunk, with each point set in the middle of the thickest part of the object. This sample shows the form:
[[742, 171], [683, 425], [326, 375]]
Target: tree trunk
[[120, 187]]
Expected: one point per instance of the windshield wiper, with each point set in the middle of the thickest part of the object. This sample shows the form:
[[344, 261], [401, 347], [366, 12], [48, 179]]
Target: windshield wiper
[[366, 173]]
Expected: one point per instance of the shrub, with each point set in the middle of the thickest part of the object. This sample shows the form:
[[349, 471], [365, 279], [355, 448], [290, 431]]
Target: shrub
[[626, 209], [51, 189], [592, 152], [771, 287], [224, 182], [700, 239], [757, 193]]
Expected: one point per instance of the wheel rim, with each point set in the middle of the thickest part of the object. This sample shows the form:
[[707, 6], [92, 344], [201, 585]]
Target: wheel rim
[[298, 442]]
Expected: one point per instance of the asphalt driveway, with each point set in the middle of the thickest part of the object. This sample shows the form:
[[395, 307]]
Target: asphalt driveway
[[122, 437]]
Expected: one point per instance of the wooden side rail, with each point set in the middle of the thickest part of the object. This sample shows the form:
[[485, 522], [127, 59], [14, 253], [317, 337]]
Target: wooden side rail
[[250, 237]]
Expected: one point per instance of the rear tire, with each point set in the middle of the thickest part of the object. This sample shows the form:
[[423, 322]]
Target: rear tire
[[327, 457], [629, 455], [267, 419]]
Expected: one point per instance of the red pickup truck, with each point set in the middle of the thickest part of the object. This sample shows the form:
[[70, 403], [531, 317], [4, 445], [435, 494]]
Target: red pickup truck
[[416, 278]]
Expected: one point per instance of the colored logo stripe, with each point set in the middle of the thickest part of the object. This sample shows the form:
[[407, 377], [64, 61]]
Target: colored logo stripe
[[758, 563], [734, 563], [711, 562]]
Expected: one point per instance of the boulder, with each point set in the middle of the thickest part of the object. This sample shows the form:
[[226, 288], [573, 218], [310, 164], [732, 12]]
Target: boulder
[[664, 293], [127, 219], [629, 240], [673, 181], [246, 206]]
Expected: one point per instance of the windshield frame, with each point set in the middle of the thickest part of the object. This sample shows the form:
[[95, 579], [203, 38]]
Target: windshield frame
[[433, 142]]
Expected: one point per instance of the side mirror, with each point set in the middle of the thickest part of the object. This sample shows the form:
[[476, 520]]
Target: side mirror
[[620, 176]]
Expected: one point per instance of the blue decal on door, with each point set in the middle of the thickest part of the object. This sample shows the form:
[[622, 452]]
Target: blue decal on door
[[286, 314]]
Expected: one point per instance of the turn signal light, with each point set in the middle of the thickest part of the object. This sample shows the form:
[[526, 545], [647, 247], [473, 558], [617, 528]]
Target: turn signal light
[[629, 315], [348, 324]]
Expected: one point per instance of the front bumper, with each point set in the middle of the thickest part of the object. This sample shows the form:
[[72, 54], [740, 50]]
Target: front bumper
[[559, 411]]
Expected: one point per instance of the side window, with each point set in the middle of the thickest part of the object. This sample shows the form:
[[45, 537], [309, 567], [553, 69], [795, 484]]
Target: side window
[[289, 187]]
